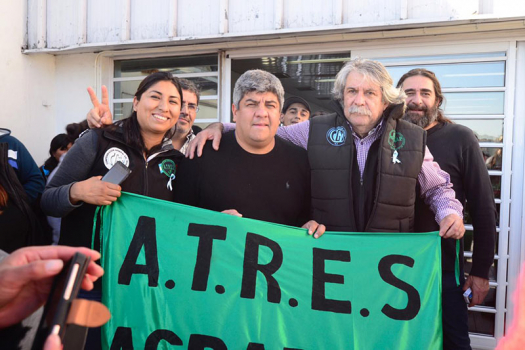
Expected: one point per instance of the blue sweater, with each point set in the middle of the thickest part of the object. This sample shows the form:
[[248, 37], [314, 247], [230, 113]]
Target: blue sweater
[[25, 167]]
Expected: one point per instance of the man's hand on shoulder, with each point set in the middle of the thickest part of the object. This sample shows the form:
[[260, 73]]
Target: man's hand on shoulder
[[212, 132], [100, 114], [452, 227], [314, 228]]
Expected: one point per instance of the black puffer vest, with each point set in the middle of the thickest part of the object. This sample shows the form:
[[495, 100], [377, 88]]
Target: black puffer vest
[[383, 199], [145, 179]]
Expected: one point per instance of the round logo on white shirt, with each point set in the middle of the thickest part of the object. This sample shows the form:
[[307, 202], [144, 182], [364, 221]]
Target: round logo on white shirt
[[113, 155]]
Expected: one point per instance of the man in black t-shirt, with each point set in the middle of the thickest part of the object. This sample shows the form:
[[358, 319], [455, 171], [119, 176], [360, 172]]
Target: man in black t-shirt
[[456, 150], [254, 173]]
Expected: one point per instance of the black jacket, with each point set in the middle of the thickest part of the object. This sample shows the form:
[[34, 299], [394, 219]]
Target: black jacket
[[93, 157], [383, 200], [19, 224]]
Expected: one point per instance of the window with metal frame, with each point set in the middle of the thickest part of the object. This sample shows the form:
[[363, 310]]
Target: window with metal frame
[[202, 70]]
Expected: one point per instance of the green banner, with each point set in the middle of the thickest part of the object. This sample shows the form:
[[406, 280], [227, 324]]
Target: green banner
[[182, 277]]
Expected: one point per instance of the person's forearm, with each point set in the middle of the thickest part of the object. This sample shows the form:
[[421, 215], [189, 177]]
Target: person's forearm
[[437, 191], [56, 202], [296, 134], [482, 210], [75, 167]]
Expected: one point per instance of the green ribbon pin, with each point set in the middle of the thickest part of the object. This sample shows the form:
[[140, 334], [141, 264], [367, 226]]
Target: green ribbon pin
[[168, 168], [396, 140]]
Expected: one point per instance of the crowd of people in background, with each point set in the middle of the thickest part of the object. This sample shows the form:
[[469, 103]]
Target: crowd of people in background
[[367, 109]]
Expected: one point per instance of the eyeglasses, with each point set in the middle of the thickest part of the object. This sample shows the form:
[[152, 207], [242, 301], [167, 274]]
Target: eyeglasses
[[190, 106]]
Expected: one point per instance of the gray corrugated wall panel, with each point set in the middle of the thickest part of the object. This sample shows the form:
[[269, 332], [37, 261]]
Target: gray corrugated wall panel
[[442, 8], [62, 23], [104, 20], [251, 16], [309, 13], [149, 19], [198, 18], [362, 11], [68, 23], [32, 13]]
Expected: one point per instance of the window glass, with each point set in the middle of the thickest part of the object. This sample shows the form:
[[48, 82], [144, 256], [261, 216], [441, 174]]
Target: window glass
[[389, 60], [175, 65], [496, 186], [474, 103], [493, 157], [202, 70], [485, 130], [122, 110], [460, 75], [127, 89], [481, 323], [207, 110], [308, 76], [208, 86]]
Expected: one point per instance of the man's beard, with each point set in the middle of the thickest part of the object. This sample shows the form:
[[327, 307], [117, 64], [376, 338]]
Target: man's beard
[[429, 115]]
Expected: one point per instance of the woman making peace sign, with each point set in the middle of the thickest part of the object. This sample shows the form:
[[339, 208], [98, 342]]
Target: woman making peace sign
[[142, 142]]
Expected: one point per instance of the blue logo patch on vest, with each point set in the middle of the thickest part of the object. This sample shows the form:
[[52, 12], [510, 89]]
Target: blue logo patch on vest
[[336, 136]]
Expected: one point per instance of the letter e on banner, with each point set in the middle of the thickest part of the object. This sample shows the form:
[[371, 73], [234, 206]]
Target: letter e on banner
[[320, 278]]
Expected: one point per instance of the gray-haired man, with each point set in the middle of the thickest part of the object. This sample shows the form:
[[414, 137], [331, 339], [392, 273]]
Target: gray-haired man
[[254, 174], [366, 162]]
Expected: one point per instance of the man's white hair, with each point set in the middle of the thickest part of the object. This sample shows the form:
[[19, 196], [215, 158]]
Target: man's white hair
[[375, 73]]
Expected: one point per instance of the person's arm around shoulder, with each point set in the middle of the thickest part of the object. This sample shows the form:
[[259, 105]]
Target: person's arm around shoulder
[[296, 134], [211, 132], [437, 191]]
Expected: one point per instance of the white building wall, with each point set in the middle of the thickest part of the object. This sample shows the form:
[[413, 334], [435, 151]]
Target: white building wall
[[27, 93], [74, 73]]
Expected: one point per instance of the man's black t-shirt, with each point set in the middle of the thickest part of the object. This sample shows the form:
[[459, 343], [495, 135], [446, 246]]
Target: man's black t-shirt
[[273, 187], [456, 150]]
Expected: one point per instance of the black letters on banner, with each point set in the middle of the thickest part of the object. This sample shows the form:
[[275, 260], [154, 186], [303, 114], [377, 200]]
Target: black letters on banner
[[202, 342], [414, 301], [259, 346], [122, 339], [206, 234], [152, 343], [144, 236], [251, 266], [320, 278]]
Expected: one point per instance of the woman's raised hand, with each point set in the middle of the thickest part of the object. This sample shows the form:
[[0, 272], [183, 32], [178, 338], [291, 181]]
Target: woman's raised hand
[[100, 114]]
